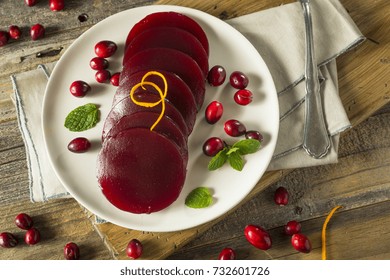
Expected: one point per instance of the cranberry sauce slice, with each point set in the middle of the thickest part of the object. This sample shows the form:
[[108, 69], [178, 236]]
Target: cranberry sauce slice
[[169, 60], [140, 171], [179, 94], [169, 19], [173, 38]]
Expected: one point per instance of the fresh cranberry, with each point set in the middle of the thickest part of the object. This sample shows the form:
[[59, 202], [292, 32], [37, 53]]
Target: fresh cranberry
[[14, 32], [79, 88], [243, 97], [37, 31], [71, 251], [23, 221], [254, 134], [238, 80], [216, 76], [8, 240], [56, 5], [30, 3], [213, 112], [301, 243], [227, 254], [213, 146], [102, 76], [292, 227], [98, 63], [32, 236], [79, 145], [234, 128], [114, 80], [258, 237], [105, 48], [134, 249], [281, 196], [4, 37]]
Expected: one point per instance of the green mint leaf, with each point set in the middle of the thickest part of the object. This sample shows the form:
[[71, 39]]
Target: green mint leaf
[[236, 161], [247, 146], [232, 150], [199, 198], [218, 160], [82, 118]]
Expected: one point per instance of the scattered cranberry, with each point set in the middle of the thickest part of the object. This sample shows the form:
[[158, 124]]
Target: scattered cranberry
[[105, 48], [253, 134], [79, 88], [102, 76], [243, 97], [281, 196], [30, 3], [114, 80], [301, 243], [234, 128], [213, 146], [258, 237], [56, 5], [71, 251], [8, 240], [239, 80], [98, 63], [32, 236], [214, 112], [4, 37], [23, 221], [292, 227], [37, 31], [227, 254], [79, 145], [216, 76], [14, 32], [134, 249]]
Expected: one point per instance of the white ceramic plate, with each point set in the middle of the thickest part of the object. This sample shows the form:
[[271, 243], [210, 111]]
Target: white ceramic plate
[[77, 172]]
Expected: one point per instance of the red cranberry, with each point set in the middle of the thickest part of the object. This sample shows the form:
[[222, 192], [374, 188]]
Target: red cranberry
[[30, 3], [14, 32], [105, 48], [216, 76], [79, 88], [37, 31], [243, 97], [8, 240], [71, 251], [98, 63], [56, 5], [214, 112], [281, 196], [213, 146], [227, 254], [239, 80], [292, 227], [114, 80], [134, 249], [234, 128], [23, 221], [253, 134], [258, 237], [79, 145], [32, 236], [4, 37], [301, 243], [102, 76]]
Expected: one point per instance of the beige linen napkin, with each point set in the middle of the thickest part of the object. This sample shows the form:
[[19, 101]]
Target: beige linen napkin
[[278, 35]]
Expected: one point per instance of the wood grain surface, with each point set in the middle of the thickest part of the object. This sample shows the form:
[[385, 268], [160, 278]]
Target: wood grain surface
[[360, 181]]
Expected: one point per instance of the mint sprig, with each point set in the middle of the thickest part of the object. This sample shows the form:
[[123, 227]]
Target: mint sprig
[[234, 154], [82, 118], [199, 197]]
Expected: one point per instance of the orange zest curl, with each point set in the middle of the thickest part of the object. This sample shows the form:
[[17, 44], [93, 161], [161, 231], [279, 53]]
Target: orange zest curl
[[162, 93], [323, 235]]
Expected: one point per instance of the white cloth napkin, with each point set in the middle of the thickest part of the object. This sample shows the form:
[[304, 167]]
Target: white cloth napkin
[[278, 34]]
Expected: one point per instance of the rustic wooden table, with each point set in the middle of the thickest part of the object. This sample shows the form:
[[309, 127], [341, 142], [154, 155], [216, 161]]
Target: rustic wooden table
[[360, 182]]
